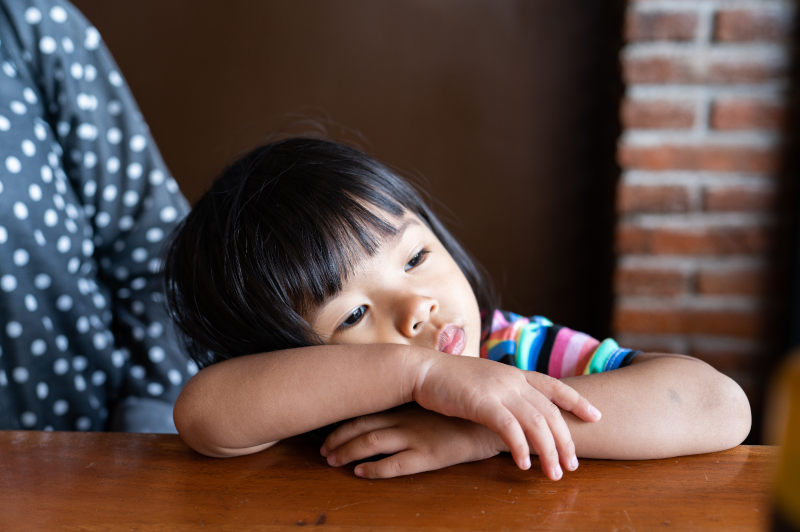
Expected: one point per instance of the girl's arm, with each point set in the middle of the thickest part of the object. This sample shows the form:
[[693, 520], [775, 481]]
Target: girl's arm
[[245, 404], [660, 406]]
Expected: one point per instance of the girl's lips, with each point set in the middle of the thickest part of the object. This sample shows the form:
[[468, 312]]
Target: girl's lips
[[452, 340]]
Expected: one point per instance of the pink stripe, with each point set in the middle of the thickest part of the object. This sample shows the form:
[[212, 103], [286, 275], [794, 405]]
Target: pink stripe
[[572, 353], [587, 351], [557, 354]]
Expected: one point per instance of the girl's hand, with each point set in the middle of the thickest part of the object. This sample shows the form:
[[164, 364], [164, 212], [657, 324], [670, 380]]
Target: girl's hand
[[520, 406], [418, 439]]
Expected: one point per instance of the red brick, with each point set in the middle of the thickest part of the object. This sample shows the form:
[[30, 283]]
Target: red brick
[[729, 360], [657, 114], [738, 324], [650, 282], [737, 114], [693, 241], [642, 198], [739, 199], [694, 157], [681, 69], [740, 25], [740, 281], [660, 26]]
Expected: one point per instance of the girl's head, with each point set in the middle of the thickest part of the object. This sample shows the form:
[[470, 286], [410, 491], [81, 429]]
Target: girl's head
[[305, 241]]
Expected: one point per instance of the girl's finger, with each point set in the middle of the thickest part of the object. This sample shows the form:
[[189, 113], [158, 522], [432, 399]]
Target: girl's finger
[[383, 441], [404, 463], [353, 429], [558, 428], [537, 430], [563, 395], [497, 417]]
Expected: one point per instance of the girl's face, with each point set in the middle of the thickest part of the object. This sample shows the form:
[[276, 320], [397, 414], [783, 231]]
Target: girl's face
[[411, 292]]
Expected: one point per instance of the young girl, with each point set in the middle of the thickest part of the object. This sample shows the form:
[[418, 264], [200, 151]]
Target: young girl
[[315, 286]]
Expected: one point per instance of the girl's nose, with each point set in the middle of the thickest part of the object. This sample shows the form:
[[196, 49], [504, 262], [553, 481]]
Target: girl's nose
[[416, 312]]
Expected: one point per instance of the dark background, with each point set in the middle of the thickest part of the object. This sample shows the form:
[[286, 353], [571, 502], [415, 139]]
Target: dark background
[[505, 110]]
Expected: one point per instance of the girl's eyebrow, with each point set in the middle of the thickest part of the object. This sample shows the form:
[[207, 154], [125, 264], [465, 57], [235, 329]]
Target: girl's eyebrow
[[401, 229]]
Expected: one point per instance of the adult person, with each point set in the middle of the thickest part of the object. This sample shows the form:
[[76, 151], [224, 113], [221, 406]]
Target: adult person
[[85, 204]]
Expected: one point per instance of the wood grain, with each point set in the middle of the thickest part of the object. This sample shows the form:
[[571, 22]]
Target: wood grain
[[101, 481]]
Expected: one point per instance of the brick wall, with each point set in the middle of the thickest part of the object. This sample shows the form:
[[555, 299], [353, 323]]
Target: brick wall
[[702, 116]]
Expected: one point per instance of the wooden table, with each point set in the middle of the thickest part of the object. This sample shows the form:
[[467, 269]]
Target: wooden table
[[97, 481]]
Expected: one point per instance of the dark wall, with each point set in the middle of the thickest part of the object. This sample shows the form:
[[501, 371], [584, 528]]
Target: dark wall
[[508, 109]]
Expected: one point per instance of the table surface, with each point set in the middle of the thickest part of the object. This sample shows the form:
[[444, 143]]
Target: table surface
[[93, 481]]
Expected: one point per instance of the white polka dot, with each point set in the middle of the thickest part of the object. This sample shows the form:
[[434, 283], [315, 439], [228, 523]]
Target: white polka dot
[[155, 388], [28, 148], [172, 186], [99, 301], [47, 174], [9, 69], [98, 378], [42, 281], [87, 131], [82, 324], [134, 170], [138, 334], [62, 343], [89, 73], [125, 223], [68, 45], [92, 40], [138, 143], [99, 341], [168, 214], [137, 372], [48, 323], [20, 374], [112, 165], [50, 218], [28, 419], [154, 234], [114, 135], [110, 193], [38, 347], [156, 177], [58, 14], [89, 188], [40, 131], [117, 359], [21, 257], [20, 210], [13, 329], [73, 265], [114, 78], [64, 303], [60, 407], [130, 198], [83, 423], [60, 366], [29, 95], [79, 363], [18, 107], [3, 235], [89, 159], [139, 255], [35, 192], [102, 219], [63, 128], [174, 377], [87, 247], [114, 107], [76, 70], [154, 266], [47, 45], [8, 283], [86, 102], [137, 307], [3, 378], [30, 303], [13, 165], [1, 187], [61, 187], [33, 15], [138, 283], [5, 123], [42, 389], [156, 354], [63, 244]]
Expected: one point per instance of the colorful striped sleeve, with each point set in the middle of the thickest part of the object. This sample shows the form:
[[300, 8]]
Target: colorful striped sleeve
[[536, 344]]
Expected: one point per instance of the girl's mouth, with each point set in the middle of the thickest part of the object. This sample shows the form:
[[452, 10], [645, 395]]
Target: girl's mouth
[[452, 340]]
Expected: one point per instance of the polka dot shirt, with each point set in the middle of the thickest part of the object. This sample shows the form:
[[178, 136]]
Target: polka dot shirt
[[85, 205]]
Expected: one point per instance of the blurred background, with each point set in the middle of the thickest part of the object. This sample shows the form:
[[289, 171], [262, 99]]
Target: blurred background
[[623, 169]]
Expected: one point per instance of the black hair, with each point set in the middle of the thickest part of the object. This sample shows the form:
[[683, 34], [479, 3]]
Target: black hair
[[276, 235]]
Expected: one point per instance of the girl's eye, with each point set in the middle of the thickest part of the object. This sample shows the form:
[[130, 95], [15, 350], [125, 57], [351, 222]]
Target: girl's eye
[[353, 318], [417, 259]]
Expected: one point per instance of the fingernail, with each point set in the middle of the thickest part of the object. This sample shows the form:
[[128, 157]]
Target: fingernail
[[595, 412], [323, 450], [573, 463], [359, 471], [332, 460], [557, 473], [526, 463]]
